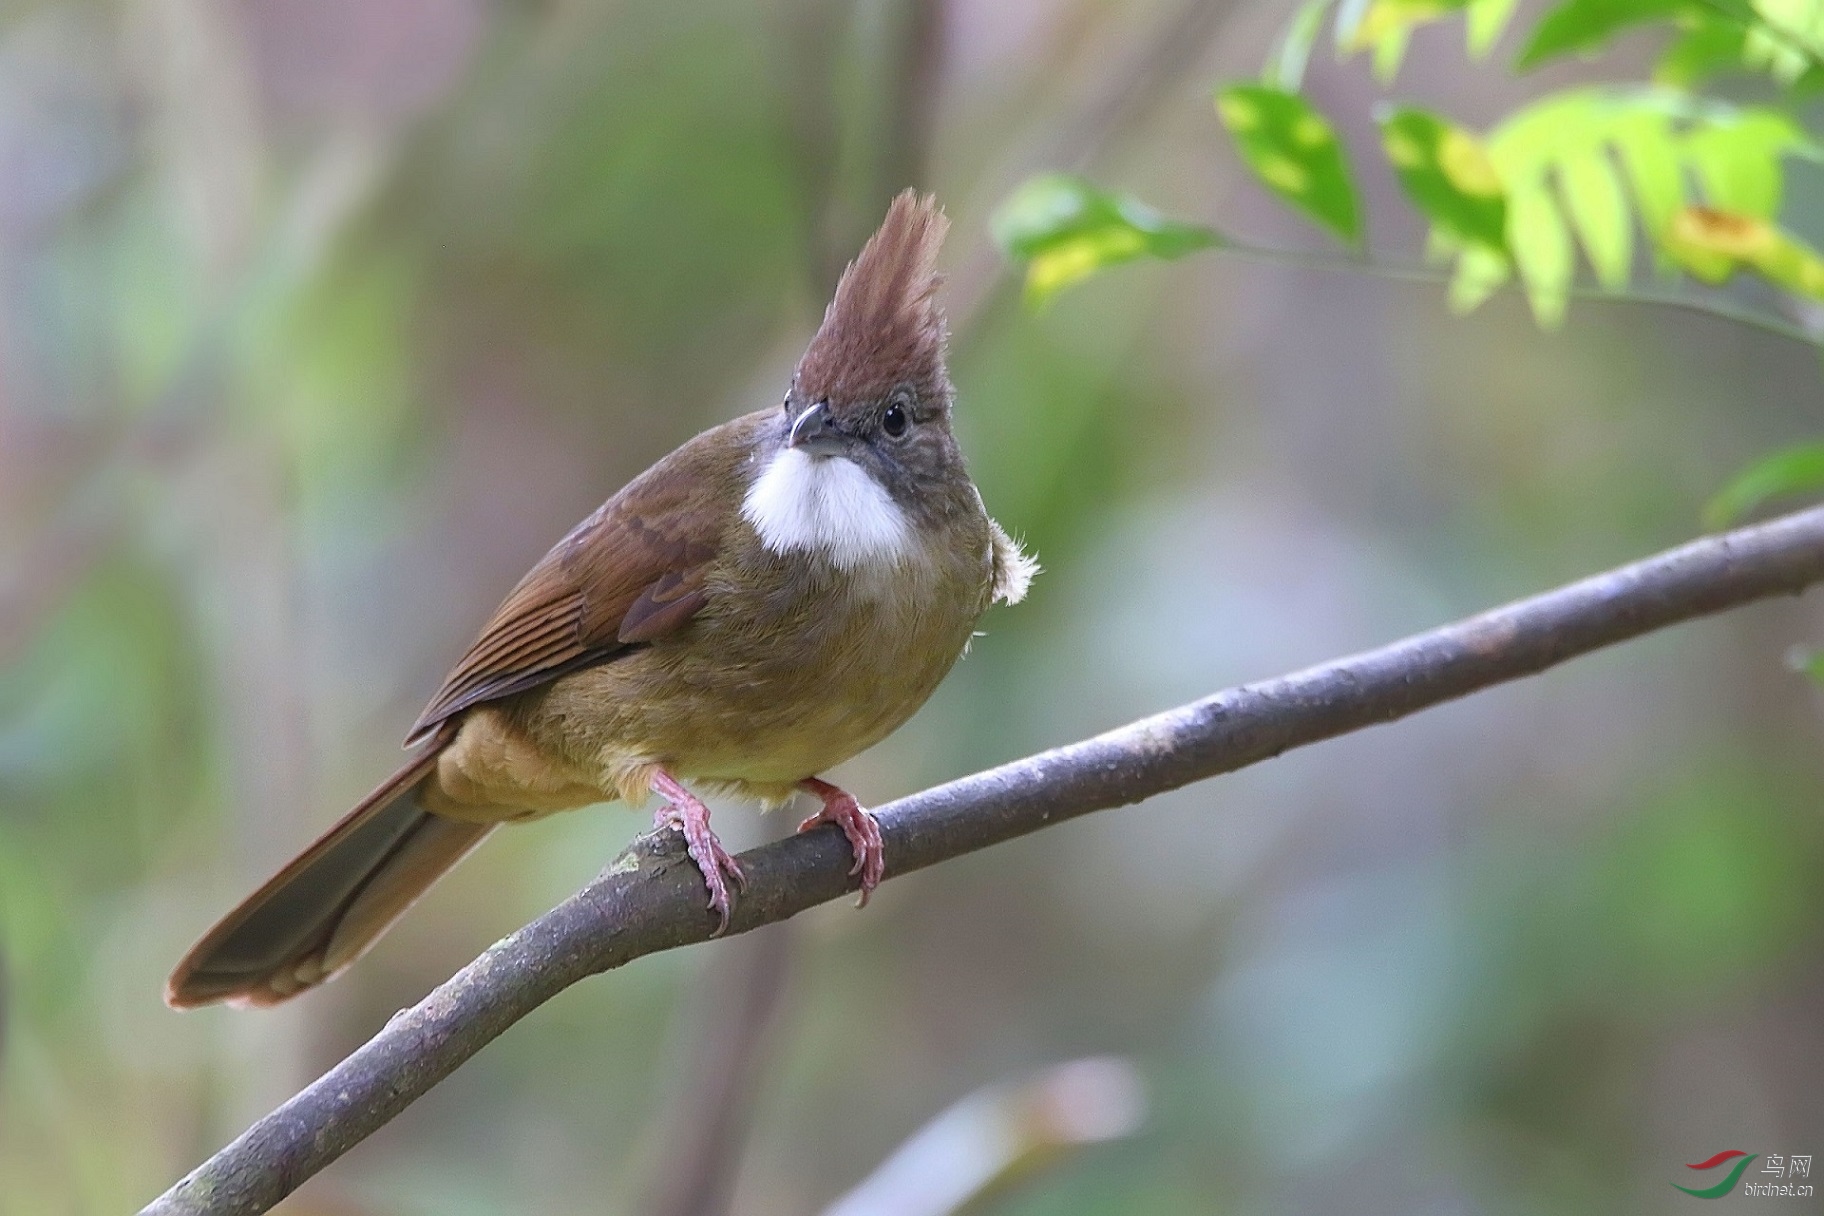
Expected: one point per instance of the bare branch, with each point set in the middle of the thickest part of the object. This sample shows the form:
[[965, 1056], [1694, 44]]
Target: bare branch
[[651, 900]]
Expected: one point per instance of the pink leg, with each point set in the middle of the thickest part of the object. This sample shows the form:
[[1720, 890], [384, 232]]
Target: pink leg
[[841, 809], [684, 811]]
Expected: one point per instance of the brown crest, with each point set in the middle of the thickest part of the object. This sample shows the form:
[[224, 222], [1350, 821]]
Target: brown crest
[[884, 327]]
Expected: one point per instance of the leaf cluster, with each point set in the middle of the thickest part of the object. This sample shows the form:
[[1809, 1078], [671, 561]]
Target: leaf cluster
[[1579, 191]]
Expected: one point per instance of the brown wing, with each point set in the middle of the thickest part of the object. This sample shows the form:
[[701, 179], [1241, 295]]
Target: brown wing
[[631, 572]]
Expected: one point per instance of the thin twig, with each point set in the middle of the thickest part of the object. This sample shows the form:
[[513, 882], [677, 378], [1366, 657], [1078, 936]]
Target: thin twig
[[652, 899], [1408, 272]]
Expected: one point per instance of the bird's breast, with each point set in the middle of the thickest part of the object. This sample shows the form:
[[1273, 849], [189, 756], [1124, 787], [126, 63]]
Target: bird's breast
[[824, 662], [793, 665]]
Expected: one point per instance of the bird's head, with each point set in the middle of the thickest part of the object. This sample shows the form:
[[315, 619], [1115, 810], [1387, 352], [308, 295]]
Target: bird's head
[[867, 453]]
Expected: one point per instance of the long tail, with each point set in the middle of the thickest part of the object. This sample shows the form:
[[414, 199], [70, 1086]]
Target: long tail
[[321, 912]]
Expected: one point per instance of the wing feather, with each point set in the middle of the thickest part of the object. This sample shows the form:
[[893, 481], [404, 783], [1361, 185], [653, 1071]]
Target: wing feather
[[632, 572]]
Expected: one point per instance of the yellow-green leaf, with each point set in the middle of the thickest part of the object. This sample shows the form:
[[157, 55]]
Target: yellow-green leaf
[[1484, 23], [1708, 46], [1480, 273], [1293, 150], [1448, 175], [1390, 52], [1385, 19], [1737, 159], [1794, 470], [1066, 229], [1541, 247], [1794, 265], [1649, 152], [1710, 243], [1730, 36], [1587, 25], [1599, 212], [1796, 21], [1532, 138]]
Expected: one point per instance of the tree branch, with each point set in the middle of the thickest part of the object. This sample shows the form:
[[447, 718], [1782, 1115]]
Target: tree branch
[[651, 899], [1712, 304]]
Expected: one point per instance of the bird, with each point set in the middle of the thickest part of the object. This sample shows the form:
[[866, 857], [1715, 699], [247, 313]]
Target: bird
[[770, 599]]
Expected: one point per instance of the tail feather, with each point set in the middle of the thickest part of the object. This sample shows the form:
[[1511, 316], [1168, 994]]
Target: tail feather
[[321, 912]]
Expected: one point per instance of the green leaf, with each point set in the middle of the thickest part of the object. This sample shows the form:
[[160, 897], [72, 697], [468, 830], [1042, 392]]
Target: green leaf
[[1286, 70], [1721, 37], [1599, 212], [1383, 19], [1385, 27], [1480, 273], [1583, 26], [1649, 153], [1794, 265], [1712, 244], [1541, 246], [1780, 56], [1532, 138], [1665, 139], [1709, 47], [1448, 176], [1484, 23], [1794, 470], [1797, 22], [1066, 230], [1390, 52], [1782, 38], [1737, 159], [1294, 151]]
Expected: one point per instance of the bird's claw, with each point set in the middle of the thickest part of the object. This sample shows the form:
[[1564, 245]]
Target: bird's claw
[[861, 828], [685, 813]]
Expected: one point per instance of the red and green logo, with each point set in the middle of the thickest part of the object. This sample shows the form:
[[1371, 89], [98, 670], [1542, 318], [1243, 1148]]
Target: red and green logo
[[1722, 1188]]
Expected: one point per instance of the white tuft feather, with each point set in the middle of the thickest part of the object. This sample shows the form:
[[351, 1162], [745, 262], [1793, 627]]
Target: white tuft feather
[[828, 505], [1014, 568]]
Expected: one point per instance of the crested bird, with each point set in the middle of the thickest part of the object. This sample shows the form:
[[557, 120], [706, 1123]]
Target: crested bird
[[775, 596]]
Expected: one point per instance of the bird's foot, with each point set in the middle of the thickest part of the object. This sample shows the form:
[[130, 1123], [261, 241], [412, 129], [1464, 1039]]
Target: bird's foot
[[684, 811], [862, 829]]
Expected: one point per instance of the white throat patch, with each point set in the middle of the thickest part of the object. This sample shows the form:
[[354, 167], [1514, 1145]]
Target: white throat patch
[[828, 505]]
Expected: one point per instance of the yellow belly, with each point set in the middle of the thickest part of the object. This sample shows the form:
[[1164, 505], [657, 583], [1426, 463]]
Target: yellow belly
[[754, 695]]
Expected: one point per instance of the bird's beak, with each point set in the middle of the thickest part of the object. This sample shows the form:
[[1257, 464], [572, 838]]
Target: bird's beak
[[814, 431]]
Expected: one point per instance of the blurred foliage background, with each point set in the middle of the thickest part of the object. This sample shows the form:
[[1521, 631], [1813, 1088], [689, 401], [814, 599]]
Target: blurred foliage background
[[321, 319]]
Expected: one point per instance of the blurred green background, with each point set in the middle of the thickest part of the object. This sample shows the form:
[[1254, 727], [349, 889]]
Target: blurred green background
[[321, 319]]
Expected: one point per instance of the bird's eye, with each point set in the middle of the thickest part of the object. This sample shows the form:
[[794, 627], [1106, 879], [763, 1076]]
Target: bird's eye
[[895, 421]]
